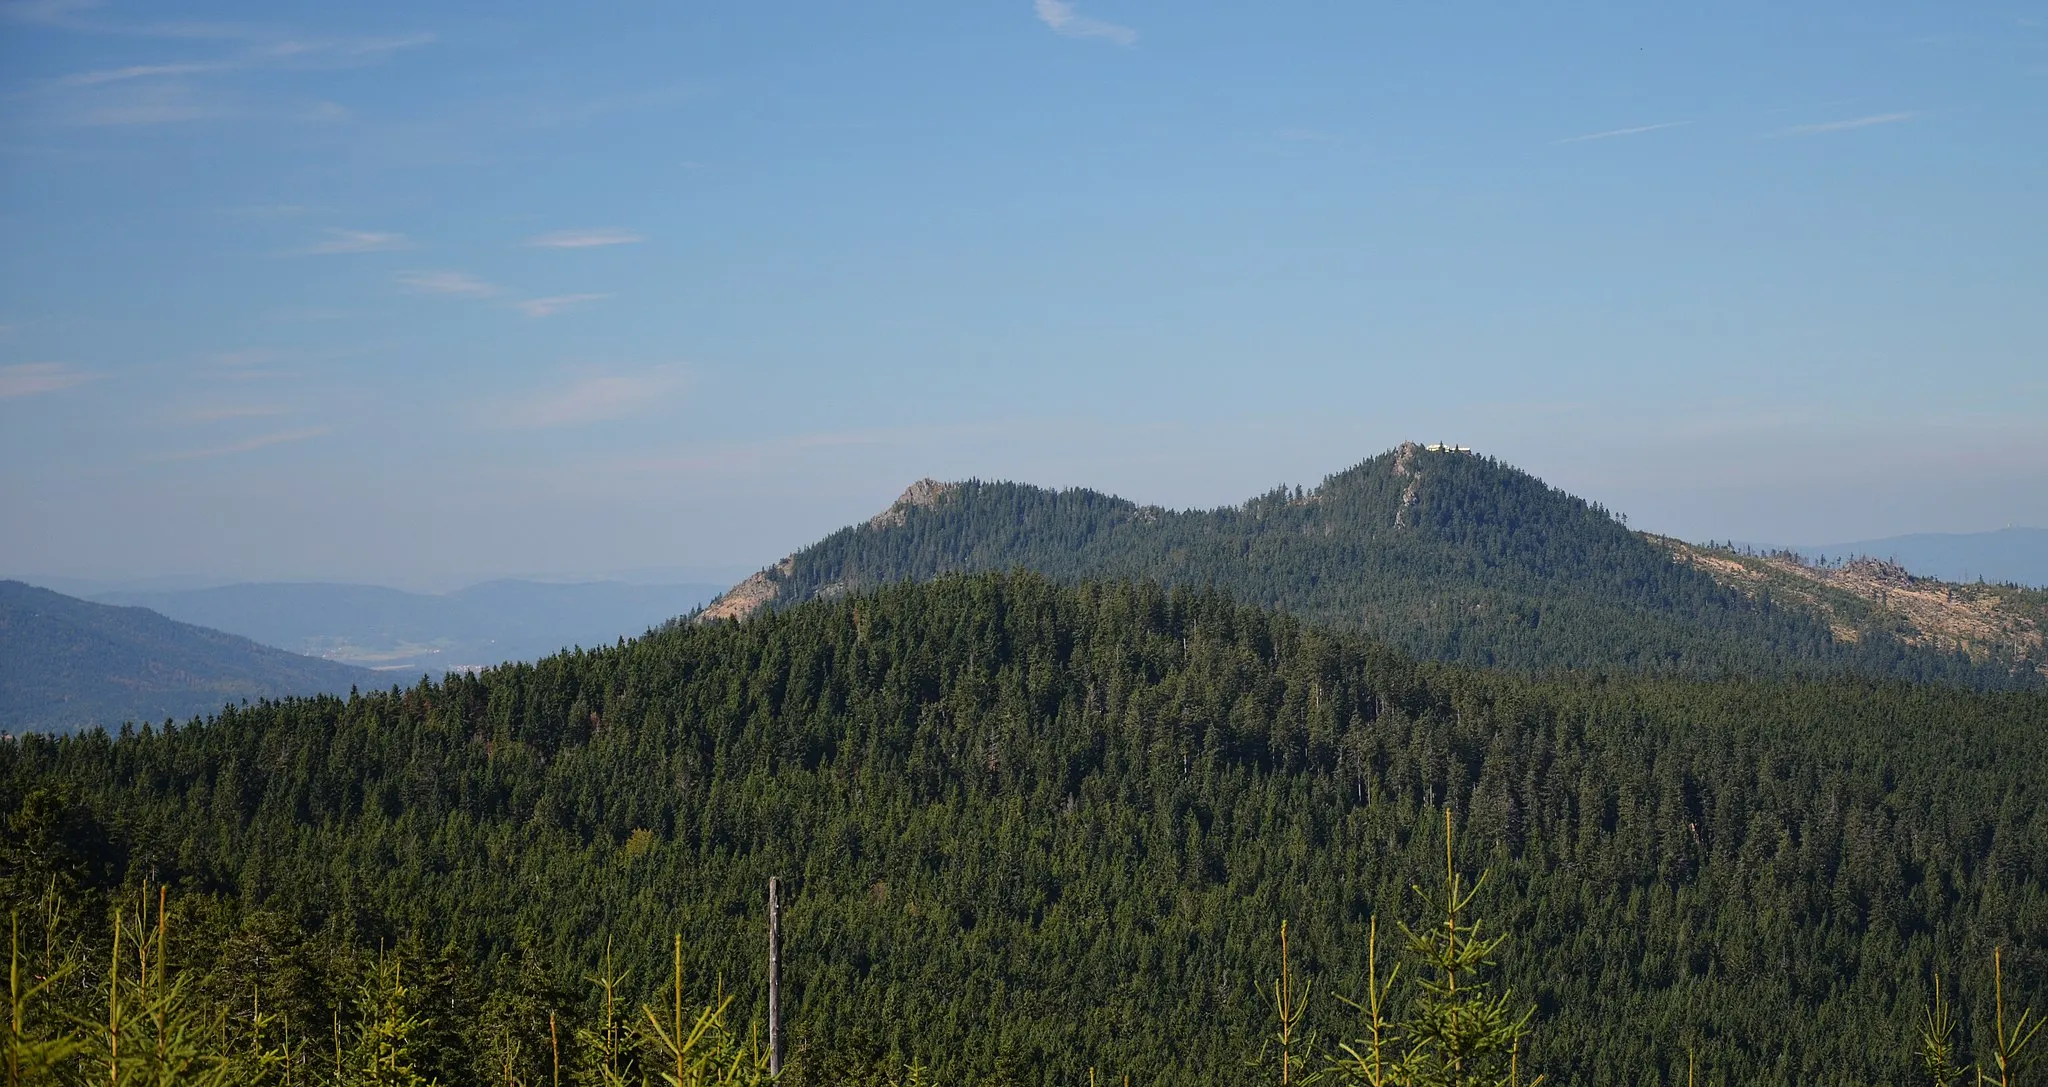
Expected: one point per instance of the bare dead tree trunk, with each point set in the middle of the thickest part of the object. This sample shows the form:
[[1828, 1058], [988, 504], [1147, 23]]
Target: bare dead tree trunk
[[774, 975]]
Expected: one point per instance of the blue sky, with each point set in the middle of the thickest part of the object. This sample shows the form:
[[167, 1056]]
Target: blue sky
[[422, 293]]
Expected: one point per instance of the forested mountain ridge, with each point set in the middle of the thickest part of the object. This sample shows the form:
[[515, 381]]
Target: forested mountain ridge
[[1448, 555], [1865, 597], [69, 663], [1032, 830]]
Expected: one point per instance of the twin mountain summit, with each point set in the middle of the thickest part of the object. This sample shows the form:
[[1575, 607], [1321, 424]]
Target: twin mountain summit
[[1446, 555]]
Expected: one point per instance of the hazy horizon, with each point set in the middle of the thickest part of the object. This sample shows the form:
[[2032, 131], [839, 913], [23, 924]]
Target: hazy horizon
[[417, 295]]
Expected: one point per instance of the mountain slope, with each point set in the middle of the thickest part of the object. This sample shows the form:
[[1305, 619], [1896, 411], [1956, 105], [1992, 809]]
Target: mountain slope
[[67, 663], [1451, 556], [1028, 829], [1869, 598]]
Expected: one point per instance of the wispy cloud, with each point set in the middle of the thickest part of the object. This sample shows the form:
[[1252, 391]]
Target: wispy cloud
[[254, 364], [1064, 20], [221, 412], [32, 378], [255, 356], [548, 307], [1614, 133], [261, 441], [725, 457], [168, 91], [149, 103], [81, 17], [756, 454], [258, 362], [1851, 123], [584, 239], [146, 94], [77, 17], [45, 12], [592, 400], [275, 211], [135, 71], [459, 284], [360, 241], [357, 50], [166, 103]]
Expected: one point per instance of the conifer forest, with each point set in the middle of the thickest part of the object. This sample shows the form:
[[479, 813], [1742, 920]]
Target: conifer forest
[[1038, 833]]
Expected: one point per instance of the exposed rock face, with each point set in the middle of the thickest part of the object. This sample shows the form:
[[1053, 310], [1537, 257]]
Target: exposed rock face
[[924, 494], [751, 595], [1876, 572], [1404, 465]]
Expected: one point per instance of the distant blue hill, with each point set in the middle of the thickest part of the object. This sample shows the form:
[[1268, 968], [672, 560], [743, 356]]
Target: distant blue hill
[[2015, 555], [67, 663], [405, 634]]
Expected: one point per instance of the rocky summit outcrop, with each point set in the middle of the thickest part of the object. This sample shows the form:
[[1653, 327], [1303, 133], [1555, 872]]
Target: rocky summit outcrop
[[765, 588], [749, 596], [924, 494]]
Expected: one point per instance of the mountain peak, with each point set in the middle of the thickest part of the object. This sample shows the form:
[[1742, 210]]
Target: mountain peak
[[1444, 552]]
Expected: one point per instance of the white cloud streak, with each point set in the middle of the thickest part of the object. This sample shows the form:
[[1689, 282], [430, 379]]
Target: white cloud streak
[[163, 92], [1851, 123], [76, 17], [261, 441], [34, 378], [592, 400], [143, 104], [255, 356], [345, 49], [360, 241], [1067, 22], [1614, 133], [79, 17], [223, 412], [584, 239], [44, 12], [754, 454], [136, 71], [548, 307], [459, 284]]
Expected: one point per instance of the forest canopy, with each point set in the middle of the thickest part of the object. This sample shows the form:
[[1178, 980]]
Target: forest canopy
[[1030, 829]]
